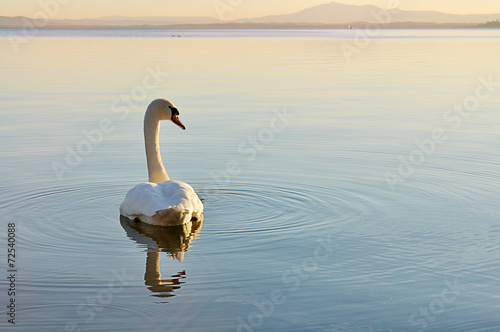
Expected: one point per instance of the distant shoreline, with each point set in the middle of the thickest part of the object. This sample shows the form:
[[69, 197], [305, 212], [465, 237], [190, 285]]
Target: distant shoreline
[[355, 26], [331, 15]]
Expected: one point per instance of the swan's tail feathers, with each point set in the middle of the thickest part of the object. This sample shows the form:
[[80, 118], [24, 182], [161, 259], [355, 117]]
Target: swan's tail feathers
[[172, 217], [169, 217]]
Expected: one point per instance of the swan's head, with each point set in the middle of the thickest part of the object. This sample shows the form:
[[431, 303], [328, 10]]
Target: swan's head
[[166, 110]]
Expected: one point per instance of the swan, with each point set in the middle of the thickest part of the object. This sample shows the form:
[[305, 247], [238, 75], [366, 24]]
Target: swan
[[161, 201]]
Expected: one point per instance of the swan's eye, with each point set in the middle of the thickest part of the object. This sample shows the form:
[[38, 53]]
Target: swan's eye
[[174, 110]]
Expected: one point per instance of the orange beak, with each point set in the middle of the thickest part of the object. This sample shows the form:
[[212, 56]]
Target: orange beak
[[175, 119]]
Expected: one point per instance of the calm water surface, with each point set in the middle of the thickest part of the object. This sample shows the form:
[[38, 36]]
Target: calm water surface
[[343, 191]]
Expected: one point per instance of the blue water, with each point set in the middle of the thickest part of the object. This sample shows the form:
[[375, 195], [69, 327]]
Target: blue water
[[349, 183]]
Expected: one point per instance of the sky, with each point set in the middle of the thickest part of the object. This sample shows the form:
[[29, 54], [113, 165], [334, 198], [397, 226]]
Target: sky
[[228, 9]]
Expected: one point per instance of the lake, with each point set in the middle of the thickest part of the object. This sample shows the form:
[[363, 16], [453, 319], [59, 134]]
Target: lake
[[350, 179]]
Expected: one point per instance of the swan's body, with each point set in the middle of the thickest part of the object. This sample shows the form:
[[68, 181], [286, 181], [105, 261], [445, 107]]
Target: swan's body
[[161, 201]]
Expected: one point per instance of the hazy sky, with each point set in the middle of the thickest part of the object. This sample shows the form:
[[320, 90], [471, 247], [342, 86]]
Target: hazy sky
[[238, 8]]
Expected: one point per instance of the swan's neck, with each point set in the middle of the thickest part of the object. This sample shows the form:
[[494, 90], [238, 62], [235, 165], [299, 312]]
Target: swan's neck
[[153, 275], [156, 170]]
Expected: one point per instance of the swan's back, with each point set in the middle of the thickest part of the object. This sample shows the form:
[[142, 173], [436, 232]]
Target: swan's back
[[167, 203]]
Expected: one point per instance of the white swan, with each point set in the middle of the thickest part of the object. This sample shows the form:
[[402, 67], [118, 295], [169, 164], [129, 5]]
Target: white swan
[[161, 201]]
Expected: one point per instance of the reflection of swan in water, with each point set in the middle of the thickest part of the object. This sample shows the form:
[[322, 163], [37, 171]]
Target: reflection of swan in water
[[174, 240]]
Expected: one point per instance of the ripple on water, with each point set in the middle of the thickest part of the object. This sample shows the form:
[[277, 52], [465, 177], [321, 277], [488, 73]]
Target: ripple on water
[[84, 316], [61, 217], [246, 208]]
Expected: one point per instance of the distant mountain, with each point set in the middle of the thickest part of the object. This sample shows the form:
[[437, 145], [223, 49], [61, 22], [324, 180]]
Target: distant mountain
[[14, 22], [336, 13], [156, 20], [113, 21], [330, 14]]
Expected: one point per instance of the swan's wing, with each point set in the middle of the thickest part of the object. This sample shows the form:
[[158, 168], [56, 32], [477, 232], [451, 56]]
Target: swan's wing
[[149, 198], [181, 196], [143, 199]]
